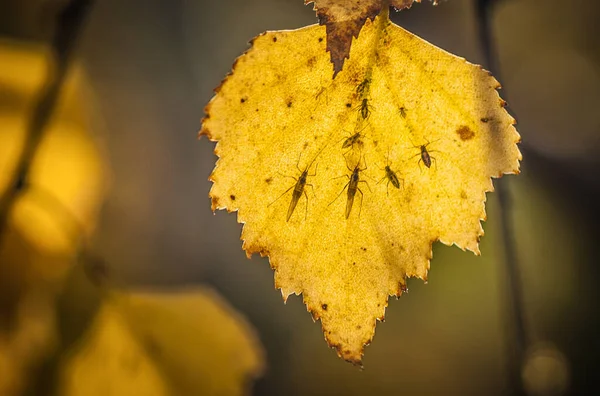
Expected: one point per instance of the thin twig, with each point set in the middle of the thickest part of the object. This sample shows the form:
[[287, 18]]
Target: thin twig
[[514, 294], [70, 22]]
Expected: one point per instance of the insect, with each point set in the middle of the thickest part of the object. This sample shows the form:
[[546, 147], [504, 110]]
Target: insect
[[299, 186], [360, 89], [402, 112], [425, 156], [390, 175], [365, 108], [322, 92], [354, 139], [352, 185]]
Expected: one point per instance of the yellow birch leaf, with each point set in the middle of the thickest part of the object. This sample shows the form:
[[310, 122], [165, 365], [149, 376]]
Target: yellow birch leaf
[[399, 150]]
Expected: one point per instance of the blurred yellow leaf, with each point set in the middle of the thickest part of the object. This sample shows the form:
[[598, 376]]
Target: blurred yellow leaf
[[31, 337], [346, 183], [183, 343], [112, 362], [23, 71], [67, 179], [57, 208]]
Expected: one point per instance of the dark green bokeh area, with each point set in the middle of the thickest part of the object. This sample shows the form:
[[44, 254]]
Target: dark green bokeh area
[[153, 65]]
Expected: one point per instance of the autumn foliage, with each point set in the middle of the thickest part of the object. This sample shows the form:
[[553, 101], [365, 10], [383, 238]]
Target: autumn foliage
[[346, 179]]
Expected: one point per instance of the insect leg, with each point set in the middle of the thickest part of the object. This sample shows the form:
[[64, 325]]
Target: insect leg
[[364, 181], [340, 191], [298, 163], [361, 200], [372, 178], [282, 175], [306, 209]]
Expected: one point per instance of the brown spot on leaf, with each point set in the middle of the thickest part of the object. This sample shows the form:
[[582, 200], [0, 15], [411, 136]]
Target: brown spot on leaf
[[348, 105], [274, 39], [324, 306], [269, 180], [465, 132], [243, 100], [289, 103], [312, 61], [463, 194], [485, 119], [232, 197]]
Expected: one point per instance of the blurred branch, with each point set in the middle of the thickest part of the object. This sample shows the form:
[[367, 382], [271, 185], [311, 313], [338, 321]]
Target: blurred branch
[[514, 294], [70, 22]]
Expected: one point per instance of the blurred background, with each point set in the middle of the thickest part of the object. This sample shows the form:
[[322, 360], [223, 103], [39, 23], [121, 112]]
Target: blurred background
[[116, 277]]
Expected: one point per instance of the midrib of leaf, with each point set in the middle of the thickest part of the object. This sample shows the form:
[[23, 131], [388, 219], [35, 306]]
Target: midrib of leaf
[[383, 20]]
